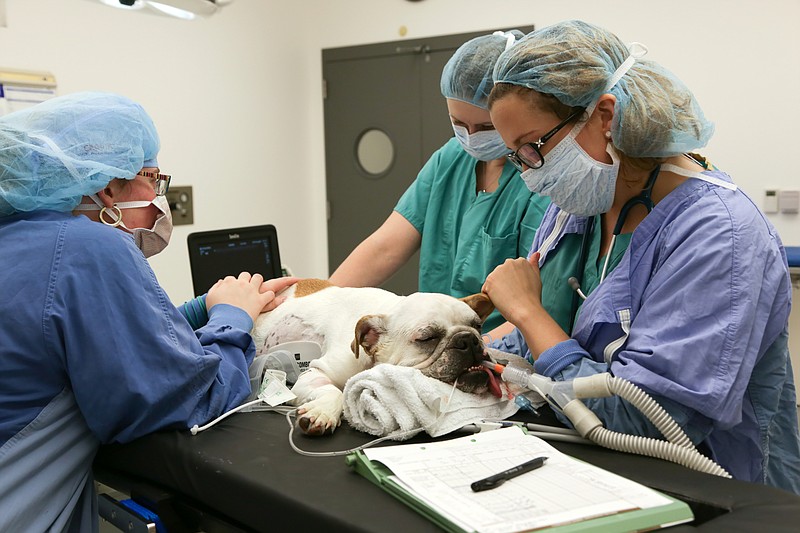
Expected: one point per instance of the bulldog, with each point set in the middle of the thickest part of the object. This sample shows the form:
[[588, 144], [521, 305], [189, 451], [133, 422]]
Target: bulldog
[[358, 328]]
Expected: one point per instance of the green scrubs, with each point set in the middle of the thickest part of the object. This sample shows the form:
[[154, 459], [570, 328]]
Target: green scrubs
[[562, 264], [466, 235]]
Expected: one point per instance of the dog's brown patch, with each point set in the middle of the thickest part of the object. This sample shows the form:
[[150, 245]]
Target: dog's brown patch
[[307, 286], [368, 333], [480, 303]]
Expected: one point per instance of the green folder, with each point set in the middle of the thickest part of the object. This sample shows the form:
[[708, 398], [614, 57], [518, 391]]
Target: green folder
[[676, 512]]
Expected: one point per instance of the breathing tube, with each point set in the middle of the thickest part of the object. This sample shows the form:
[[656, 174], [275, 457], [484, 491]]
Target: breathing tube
[[565, 396]]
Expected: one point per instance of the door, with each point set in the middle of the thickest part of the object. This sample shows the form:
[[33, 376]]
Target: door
[[384, 117]]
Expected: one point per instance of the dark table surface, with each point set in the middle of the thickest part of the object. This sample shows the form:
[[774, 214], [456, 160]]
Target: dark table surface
[[244, 471]]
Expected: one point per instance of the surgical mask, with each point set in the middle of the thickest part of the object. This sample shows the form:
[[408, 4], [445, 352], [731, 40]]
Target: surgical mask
[[574, 180], [149, 240], [483, 145]]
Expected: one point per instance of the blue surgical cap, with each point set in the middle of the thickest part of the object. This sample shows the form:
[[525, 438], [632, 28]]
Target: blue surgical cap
[[56, 152], [655, 113], [467, 76]]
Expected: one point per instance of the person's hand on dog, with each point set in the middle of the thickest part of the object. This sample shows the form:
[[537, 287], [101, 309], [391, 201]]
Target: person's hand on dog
[[243, 292], [275, 286]]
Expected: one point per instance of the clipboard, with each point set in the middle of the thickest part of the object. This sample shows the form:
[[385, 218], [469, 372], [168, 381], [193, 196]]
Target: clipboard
[[671, 512]]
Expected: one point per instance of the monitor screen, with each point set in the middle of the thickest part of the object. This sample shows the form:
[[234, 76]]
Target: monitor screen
[[216, 254]]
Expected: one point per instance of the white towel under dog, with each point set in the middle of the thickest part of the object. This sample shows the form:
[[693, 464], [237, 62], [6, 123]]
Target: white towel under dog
[[389, 399]]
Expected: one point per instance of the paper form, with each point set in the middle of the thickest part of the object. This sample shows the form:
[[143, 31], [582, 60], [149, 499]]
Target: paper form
[[563, 490]]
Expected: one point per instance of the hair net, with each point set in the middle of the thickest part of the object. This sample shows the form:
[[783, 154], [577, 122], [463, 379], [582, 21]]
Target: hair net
[[467, 76], [655, 114], [53, 153]]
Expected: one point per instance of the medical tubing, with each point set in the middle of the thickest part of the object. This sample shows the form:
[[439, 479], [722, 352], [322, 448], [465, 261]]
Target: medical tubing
[[601, 386], [659, 449], [559, 391], [678, 448], [605, 385], [588, 425]]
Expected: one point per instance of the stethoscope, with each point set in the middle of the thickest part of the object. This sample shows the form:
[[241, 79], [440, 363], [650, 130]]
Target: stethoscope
[[645, 199]]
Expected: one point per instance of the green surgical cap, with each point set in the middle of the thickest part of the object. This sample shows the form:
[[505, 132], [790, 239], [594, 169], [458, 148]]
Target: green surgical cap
[[467, 76], [655, 114], [56, 152]]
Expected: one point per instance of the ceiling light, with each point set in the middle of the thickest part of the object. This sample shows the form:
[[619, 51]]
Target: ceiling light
[[183, 9], [174, 11]]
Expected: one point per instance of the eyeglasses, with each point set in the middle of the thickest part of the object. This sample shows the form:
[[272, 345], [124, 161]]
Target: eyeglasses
[[529, 154], [160, 181]]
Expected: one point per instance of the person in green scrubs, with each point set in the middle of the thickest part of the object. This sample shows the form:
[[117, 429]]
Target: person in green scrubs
[[468, 210]]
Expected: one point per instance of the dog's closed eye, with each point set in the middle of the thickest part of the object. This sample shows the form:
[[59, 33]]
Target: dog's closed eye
[[428, 335]]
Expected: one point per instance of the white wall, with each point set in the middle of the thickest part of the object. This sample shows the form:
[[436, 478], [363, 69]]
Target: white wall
[[237, 97]]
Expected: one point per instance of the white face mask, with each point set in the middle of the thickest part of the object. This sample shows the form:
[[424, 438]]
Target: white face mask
[[574, 180], [149, 240], [483, 145]]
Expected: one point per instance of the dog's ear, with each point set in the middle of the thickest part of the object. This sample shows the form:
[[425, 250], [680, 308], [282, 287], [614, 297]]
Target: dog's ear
[[480, 303], [368, 332]]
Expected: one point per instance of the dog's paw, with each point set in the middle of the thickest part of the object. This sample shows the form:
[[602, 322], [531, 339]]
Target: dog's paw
[[316, 427], [317, 418]]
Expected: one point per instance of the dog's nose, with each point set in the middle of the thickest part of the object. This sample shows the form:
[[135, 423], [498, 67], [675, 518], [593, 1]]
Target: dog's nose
[[467, 341]]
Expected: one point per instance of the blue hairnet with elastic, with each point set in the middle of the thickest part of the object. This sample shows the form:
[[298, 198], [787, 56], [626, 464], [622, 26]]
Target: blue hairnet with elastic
[[467, 76], [655, 114], [56, 152]]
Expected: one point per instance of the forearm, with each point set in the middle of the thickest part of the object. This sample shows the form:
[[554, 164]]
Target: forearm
[[369, 265], [540, 331], [380, 255]]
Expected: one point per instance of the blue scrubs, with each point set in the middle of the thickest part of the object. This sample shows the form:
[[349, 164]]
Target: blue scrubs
[[94, 352], [696, 313], [466, 235]]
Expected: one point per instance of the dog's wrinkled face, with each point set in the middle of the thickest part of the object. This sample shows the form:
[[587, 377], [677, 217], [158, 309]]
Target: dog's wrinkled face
[[438, 334]]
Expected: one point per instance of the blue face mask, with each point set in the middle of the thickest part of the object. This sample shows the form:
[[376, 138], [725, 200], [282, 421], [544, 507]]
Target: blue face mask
[[574, 180], [484, 145]]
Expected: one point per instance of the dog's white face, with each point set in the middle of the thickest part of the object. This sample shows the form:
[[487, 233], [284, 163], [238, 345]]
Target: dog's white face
[[435, 333]]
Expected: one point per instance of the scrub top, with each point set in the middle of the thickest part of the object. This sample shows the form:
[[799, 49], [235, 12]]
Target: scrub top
[[465, 234], [93, 352], [696, 314], [562, 264]]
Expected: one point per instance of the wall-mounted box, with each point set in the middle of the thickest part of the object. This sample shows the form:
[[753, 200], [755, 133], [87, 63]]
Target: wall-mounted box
[[181, 205]]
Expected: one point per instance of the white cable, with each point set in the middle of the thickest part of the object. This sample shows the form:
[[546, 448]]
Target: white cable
[[608, 257], [195, 429], [341, 452]]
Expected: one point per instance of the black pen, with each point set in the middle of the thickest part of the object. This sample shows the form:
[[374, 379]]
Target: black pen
[[498, 479]]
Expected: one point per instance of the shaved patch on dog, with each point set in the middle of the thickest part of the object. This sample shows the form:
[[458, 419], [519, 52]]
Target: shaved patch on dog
[[304, 287]]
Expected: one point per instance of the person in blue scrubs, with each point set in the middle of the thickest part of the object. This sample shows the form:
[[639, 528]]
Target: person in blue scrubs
[[687, 281], [467, 211], [92, 349]]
